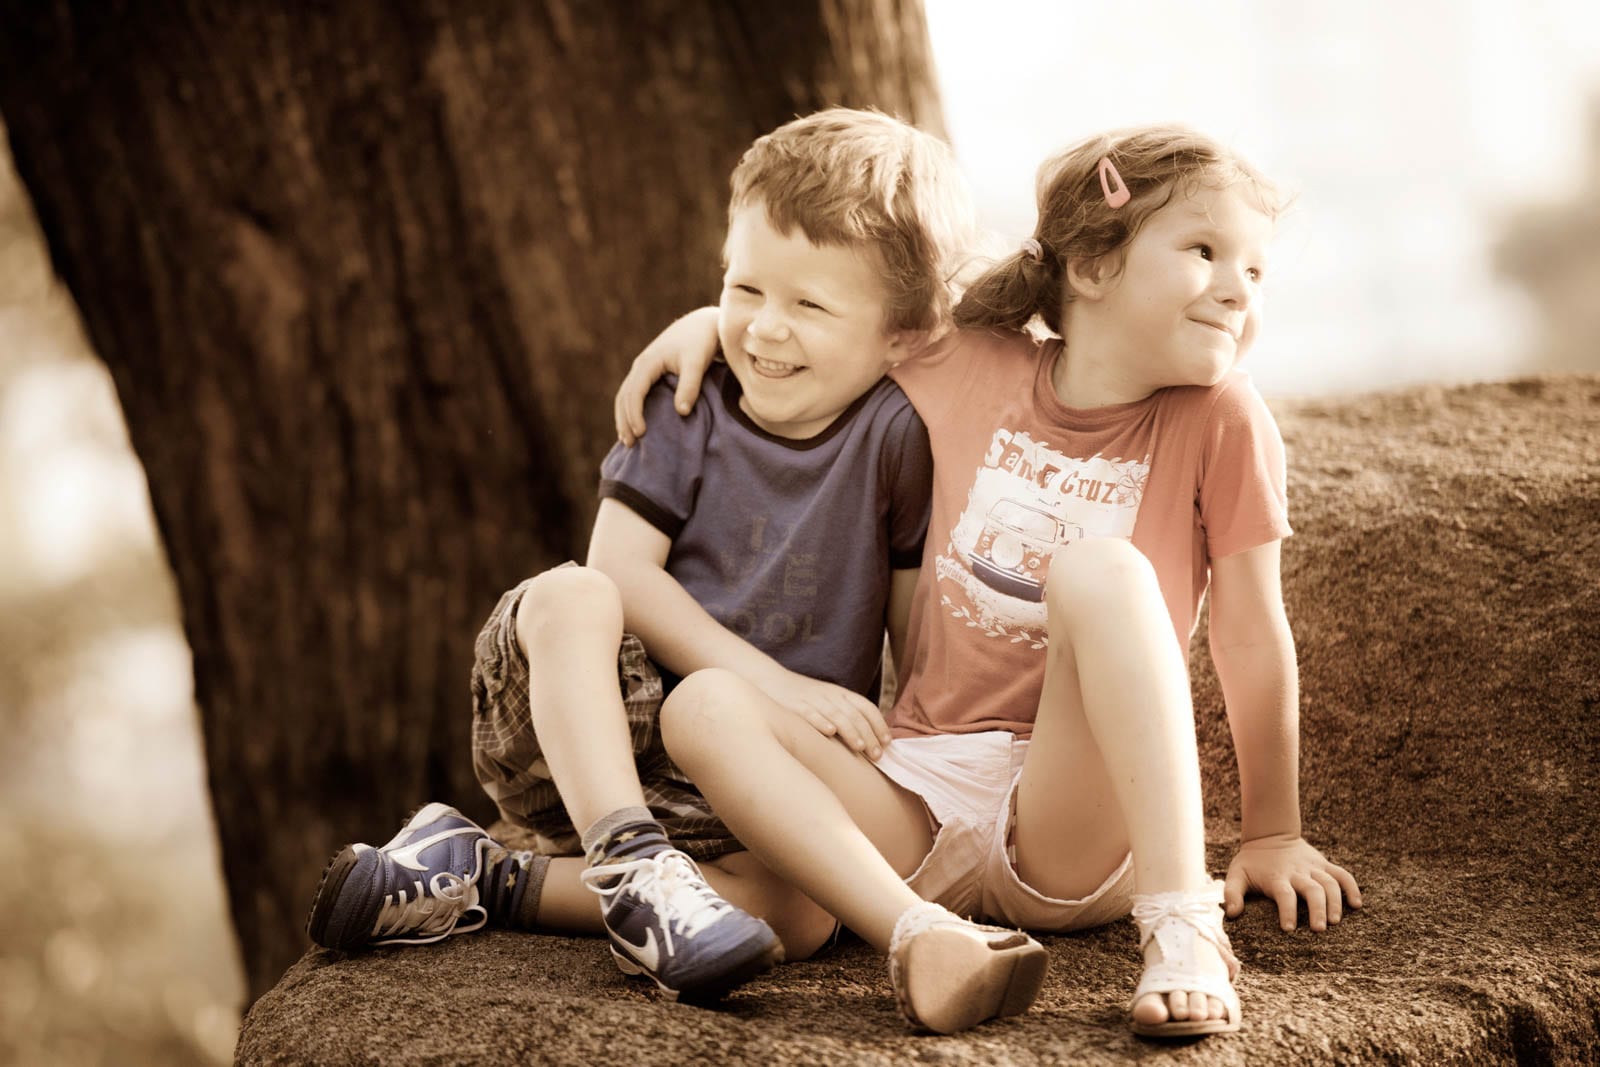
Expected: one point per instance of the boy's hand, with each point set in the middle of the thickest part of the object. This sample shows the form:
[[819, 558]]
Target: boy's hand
[[1286, 868], [834, 711], [685, 348]]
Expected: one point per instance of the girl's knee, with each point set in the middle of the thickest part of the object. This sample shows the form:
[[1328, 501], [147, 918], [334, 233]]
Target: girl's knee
[[560, 600], [1085, 573], [704, 706]]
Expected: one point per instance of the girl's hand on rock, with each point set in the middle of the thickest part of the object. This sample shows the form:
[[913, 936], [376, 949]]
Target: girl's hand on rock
[[1287, 868]]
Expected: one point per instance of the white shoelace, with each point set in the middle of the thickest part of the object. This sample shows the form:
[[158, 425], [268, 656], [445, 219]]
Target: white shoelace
[[425, 915], [668, 882]]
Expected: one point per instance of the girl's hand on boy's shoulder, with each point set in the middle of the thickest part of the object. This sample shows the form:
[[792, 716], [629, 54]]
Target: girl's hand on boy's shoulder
[[1286, 869], [834, 711], [685, 348]]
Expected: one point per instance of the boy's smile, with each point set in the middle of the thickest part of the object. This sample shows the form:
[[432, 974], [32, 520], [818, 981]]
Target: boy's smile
[[801, 325]]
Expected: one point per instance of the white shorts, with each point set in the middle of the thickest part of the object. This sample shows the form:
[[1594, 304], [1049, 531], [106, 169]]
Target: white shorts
[[969, 784]]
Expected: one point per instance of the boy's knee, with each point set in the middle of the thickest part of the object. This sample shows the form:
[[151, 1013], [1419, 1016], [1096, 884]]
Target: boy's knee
[[1084, 573], [558, 600]]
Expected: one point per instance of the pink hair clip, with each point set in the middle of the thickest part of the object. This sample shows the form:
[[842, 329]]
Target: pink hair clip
[[1109, 176]]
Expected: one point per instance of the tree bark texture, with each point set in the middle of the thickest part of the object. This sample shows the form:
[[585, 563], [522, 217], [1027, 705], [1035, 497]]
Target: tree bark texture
[[366, 276]]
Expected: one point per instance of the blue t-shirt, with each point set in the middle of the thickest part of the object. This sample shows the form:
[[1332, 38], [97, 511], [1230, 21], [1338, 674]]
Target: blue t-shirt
[[787, 543]]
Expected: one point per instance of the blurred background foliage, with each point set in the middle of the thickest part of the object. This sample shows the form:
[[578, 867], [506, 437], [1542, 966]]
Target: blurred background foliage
[[114, 942]]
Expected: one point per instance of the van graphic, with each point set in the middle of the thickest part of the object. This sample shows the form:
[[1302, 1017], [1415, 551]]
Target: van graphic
[[1013, 551]]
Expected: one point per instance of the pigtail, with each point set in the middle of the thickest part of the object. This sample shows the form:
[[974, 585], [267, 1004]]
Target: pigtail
[[1009, 294]]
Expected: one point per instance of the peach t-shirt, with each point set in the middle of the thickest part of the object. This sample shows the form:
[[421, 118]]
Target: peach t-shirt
[[1188, 474]]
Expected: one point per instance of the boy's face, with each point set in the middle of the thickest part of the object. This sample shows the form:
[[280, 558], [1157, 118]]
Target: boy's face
[[802, 326], [1188, 300]]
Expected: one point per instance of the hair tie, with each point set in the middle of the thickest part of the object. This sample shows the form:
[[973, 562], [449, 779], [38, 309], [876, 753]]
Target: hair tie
[[1033, 249], [1115, 198]]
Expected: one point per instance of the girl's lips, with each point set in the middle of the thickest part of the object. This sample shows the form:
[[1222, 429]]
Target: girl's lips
[[1214, 326]]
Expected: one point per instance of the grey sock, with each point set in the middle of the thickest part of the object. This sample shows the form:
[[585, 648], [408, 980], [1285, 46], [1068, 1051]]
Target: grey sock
[[514, 883], [626, 832]]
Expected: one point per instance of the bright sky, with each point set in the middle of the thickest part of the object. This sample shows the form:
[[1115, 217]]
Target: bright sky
[[1407, 130]]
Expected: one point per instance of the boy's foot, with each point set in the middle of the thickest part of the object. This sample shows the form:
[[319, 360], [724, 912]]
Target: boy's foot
[[667, 924], [420, 887], [950, 974]]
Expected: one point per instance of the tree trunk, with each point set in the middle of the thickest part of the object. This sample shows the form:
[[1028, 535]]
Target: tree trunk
[[366, 276]]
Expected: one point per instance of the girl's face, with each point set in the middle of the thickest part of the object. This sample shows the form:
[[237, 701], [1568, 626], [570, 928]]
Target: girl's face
[[1187, 302]]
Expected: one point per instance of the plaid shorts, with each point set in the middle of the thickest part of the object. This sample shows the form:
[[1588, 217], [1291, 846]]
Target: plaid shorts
[[512, 769]]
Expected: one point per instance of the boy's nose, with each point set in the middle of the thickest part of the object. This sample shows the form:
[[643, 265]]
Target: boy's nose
[[769, 326]]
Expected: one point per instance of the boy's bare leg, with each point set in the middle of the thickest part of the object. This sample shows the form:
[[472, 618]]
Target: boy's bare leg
[[568, 906], [1113, 763], [569, 624], [819, 815]]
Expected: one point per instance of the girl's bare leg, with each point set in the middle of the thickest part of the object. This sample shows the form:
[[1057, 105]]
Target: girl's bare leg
[[821, 817], [1113, 764]]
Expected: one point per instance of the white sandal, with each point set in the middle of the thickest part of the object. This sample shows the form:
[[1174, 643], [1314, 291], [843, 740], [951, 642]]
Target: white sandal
[[1175, 920]]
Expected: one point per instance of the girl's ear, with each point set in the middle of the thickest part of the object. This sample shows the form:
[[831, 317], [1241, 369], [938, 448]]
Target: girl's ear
[[1092, 277]]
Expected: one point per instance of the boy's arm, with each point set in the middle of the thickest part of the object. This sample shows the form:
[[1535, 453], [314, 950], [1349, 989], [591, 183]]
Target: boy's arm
[[902, 584], [685, 348], [1253, 650], [683, 637]]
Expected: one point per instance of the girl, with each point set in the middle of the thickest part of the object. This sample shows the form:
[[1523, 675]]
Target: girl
[[1087, 489]]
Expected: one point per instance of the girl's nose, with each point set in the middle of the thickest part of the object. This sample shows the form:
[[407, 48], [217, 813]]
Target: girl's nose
[[1231, 285]]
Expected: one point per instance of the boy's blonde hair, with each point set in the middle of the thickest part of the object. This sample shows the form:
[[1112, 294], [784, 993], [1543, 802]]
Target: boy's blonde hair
[[1076, 222], [862, 179]]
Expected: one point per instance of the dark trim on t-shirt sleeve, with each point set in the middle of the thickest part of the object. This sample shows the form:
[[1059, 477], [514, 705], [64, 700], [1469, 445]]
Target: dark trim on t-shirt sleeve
[[905, 561], [643, 506]]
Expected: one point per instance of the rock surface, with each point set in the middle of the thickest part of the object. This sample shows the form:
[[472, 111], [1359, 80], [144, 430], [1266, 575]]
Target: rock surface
[[1444, 587]]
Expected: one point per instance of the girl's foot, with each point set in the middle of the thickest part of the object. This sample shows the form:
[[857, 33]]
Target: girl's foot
[[950, 974], [1187, 985]]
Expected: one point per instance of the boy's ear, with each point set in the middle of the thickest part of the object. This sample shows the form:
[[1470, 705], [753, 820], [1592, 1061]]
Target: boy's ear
[[1092, 277], [903, 344]]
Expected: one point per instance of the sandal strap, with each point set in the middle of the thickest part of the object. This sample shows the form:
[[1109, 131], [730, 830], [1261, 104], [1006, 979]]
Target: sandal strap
[[1174, 919]]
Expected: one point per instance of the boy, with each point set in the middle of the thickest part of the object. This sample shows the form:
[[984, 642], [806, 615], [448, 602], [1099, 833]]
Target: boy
[[773, 533]]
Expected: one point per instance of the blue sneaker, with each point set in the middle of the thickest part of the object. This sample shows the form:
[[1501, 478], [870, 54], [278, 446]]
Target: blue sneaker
[[667, 924], [420, 887]]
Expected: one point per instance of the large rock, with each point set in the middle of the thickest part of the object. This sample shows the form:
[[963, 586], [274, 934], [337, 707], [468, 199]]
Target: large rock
[[1444, 586]]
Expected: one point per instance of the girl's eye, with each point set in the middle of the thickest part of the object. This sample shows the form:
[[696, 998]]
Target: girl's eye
[[812, 304], [1204, 250], [747, 289], [1255, 273]]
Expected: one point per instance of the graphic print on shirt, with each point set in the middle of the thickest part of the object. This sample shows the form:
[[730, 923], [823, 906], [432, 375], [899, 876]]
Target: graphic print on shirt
[[775, 586], [1026, 501]]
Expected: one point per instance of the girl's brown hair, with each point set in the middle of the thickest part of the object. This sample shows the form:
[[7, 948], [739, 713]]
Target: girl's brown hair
[[1076, 222]]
